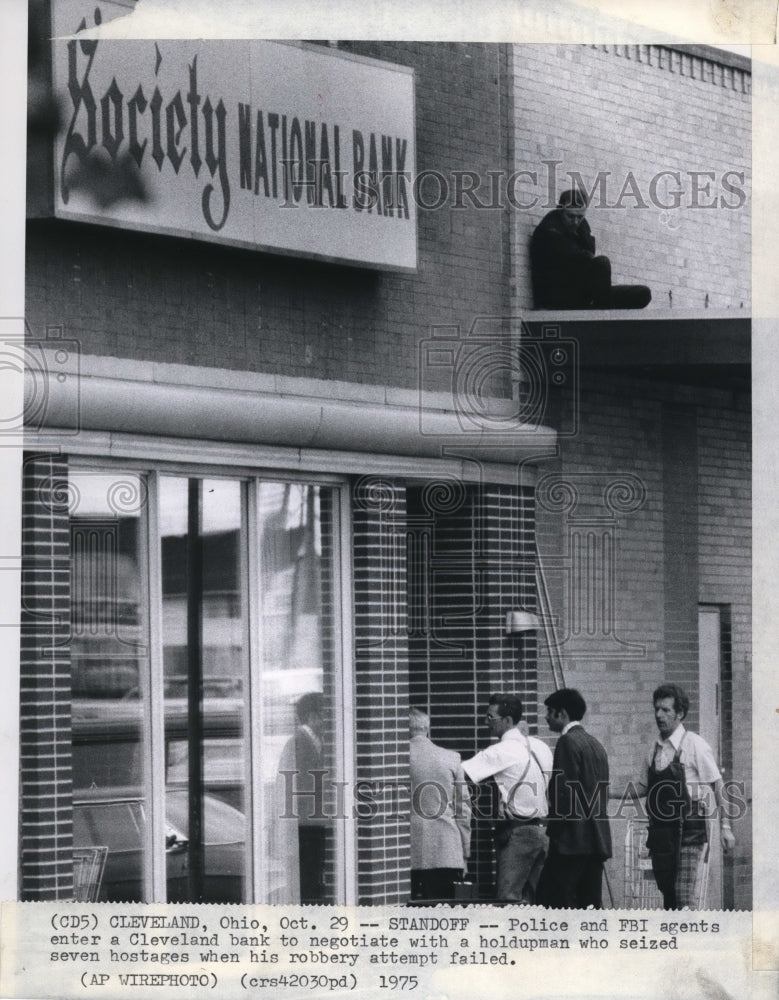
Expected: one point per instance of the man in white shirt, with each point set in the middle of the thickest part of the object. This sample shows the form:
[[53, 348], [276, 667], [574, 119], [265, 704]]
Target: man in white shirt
[[521, 766], [679, 776]]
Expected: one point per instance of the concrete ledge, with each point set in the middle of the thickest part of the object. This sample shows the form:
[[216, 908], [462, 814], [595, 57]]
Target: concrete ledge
[[179, 401], [630, 337]]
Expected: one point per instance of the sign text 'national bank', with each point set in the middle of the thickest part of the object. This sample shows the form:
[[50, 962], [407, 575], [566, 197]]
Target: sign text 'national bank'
[[281, 147]]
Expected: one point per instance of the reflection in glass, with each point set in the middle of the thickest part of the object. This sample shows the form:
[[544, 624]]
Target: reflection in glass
[[204, 683], [203, 680], [297, 690], [108, 662]]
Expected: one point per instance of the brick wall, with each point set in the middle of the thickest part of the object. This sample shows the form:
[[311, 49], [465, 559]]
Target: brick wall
[[381, 690], [662, 473], [46, 814], [134, 295], [634, 111]]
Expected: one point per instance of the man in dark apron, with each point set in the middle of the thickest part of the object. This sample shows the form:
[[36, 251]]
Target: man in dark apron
[[679, 770]]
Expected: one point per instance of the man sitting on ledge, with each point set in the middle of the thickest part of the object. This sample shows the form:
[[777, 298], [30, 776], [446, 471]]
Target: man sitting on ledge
[[566, 272]]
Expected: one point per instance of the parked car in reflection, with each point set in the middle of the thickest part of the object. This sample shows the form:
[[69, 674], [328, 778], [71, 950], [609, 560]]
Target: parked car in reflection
[[117, 817], [110, 808], [112, 766]]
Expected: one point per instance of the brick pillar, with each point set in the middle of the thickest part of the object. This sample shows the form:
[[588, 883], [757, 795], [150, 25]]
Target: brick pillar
[[381, 683], [46, 818], [330, 678]]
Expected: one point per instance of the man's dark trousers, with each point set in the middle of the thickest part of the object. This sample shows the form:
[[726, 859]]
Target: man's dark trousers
[[578, 825], [572, 881]]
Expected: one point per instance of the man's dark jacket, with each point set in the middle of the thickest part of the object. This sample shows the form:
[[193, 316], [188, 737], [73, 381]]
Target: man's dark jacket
[[578, 796], [561, 263]]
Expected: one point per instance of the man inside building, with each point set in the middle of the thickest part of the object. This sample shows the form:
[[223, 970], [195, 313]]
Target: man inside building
[[678, 775], [521, 766], [303, 772], [440, 814], [566, 274], [578, 825]]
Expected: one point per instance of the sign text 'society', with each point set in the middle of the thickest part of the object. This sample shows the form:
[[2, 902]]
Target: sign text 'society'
[[229, 136]]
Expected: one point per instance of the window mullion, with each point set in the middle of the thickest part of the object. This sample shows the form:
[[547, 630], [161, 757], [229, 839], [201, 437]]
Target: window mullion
[[194, 583], [154, 747], [256, 729]]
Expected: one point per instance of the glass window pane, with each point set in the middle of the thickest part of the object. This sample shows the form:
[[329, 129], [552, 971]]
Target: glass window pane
[[109, 670], [204, 668], [297, 684], [203, 677]]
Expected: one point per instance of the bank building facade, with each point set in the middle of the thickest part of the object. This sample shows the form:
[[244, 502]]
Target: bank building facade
[[300, 453]]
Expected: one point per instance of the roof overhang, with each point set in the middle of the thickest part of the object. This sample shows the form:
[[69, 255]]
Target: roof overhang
[[712, 350]]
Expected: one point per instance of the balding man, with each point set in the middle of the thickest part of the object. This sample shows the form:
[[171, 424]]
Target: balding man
[[440, 814]]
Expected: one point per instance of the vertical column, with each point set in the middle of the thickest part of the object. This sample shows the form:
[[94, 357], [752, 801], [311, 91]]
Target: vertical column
[[323, 596], [46, 815], [381, 682]]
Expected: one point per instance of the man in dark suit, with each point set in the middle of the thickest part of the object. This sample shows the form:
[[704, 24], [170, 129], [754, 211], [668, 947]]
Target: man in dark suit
[[440, 814], [303, 771], [578, 825], [566, 273]]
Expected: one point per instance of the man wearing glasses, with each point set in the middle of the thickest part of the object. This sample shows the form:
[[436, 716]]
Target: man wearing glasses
[[521, 766]]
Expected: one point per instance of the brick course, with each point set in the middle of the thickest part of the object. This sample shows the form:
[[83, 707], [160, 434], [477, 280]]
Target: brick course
[[46, 811], [381, 689]]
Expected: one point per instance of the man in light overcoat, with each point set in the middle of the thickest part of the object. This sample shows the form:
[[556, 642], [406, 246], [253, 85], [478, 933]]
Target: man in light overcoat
[[440, 814]]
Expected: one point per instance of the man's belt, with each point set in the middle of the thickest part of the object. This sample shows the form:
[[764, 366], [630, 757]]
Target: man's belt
[[518, 821]]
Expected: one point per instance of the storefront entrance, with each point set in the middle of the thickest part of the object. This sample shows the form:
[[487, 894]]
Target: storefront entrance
[[206, 683]]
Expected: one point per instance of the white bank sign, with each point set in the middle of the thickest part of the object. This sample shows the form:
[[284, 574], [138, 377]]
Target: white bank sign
[[288, 148]]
